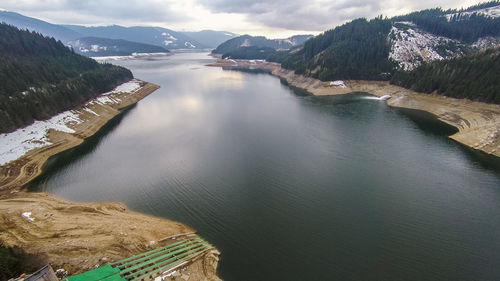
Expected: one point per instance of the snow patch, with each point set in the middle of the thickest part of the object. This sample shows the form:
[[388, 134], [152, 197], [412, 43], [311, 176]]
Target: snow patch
[[127, 87], [491, 12], [133, 56], [189, 45], [411, 46], [27, 215], [486, 42], [90, 111], [337, 84], [246, 43], [15, 144]]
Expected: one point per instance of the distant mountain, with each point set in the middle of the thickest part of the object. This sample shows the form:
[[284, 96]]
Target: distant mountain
[[53, 30], [260, 41], [210, 38], [147, 35], [157, 36], [96, 47], [40, 77]]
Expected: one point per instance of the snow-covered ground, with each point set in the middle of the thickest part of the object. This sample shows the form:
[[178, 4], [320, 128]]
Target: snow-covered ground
[[337, 84], [189, 45], [486, 42], [16, 144], [492, 12], [133, 56], [412, 46]]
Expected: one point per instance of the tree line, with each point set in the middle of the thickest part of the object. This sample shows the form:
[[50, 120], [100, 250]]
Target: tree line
[[40, 77], [464, 27], [355, 50], [475, 77]]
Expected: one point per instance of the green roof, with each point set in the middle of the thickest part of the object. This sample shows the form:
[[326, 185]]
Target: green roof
[[98, 274], [148, 264]]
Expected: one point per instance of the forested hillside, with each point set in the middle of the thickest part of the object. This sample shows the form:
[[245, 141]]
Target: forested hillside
[[464, 25], [157, 36], [356, 50], [375, 49], [476, 77], [96, 46], [40, 77], [260, 41], [250, 53]]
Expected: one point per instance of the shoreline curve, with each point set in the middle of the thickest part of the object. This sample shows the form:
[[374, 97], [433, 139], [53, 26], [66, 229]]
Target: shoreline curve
[[478, 123]]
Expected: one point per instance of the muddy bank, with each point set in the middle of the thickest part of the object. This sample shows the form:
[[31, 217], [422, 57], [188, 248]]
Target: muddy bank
[[81, 236], [77, 237], [478, 123], [16, 174]]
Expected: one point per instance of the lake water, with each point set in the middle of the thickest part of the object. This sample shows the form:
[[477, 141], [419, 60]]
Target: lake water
[[290, 186]]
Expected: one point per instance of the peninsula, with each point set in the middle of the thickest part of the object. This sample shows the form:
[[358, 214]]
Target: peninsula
[[78, 237]]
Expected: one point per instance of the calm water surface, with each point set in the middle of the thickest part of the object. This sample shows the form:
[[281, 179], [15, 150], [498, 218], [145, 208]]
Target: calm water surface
[[292, 187]]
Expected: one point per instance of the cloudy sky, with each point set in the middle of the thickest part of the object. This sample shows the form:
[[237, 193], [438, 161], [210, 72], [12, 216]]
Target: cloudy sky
[[273, 18]]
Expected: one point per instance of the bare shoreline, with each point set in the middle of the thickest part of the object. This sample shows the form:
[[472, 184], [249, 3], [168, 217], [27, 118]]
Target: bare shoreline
[[478, 123], [80, 236], [16, 174]]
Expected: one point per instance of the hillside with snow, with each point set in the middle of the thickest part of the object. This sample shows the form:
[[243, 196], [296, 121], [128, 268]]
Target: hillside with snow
[[491, 12], [411, 46], [375, 49], [99, 47], [414, 40], [157, 36]]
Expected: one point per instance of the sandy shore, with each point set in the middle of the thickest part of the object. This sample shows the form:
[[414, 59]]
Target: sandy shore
[[79, 236], [478, 123]]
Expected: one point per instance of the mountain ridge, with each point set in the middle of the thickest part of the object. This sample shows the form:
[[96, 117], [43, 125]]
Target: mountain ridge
[[97, 46], [158, 36], [406, 42]]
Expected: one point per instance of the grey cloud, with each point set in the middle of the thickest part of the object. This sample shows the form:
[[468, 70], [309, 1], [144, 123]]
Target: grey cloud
[[315, 15], [296, 14], [312, 15], [99, 11]]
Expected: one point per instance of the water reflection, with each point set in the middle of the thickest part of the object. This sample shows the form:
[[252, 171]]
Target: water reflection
[[61, 160], [294, 187]]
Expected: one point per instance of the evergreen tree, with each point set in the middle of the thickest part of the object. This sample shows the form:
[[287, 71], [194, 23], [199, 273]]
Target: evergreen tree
[[40, 77]]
